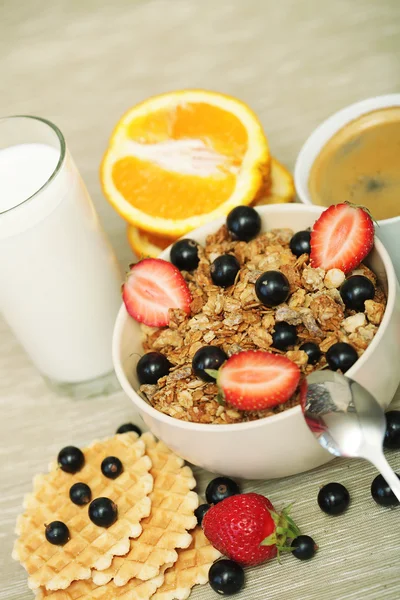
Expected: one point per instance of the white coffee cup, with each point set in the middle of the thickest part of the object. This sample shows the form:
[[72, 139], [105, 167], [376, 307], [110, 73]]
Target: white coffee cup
[[389, 229]]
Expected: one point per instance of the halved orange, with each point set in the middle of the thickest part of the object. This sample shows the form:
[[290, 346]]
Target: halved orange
[[184, 158], [281, 187]]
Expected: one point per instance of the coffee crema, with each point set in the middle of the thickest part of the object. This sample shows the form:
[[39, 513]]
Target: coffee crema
[[361, 164]]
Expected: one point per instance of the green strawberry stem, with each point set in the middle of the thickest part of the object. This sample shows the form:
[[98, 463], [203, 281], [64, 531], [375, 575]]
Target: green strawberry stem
[[220, 398], [214, 374], [285, 528]]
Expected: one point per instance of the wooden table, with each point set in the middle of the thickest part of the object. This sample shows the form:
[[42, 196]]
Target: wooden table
[[81, 64]]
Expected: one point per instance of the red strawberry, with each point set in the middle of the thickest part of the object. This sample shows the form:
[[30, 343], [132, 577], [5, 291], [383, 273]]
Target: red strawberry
[[341, 238], [256, 380], [247, 529], [152, 287]]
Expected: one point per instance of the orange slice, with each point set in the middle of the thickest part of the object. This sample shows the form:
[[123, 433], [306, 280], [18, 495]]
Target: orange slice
[[281, 187], [146, 244], [184, 158]]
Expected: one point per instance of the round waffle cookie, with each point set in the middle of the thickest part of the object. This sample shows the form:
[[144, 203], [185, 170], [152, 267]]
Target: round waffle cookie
[[172, 514], [135, 589], [190, 569], [90, 546]]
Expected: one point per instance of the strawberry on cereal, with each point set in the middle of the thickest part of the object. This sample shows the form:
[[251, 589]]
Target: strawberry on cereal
[[281, 303]]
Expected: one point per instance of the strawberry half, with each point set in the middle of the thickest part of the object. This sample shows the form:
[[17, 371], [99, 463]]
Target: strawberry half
[[341, 238], [152, 287], [247, 529], [256, 380]]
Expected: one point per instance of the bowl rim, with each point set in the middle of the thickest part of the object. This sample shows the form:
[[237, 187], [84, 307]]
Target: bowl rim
[[326, 130], [145, 407]]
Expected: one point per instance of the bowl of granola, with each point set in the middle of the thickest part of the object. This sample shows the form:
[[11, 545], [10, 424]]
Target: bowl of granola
[[238, 304]]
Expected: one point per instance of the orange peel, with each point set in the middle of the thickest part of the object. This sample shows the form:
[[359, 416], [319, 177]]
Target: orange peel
[[281, 187]]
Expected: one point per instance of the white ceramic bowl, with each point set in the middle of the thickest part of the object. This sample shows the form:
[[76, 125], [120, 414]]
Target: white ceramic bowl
[[389, 229], [280, 445]]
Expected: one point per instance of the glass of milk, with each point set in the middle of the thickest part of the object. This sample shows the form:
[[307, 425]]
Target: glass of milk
[[59, 278]]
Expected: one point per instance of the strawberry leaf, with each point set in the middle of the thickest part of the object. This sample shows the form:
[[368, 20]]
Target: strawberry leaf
[[281, 530], [285, 528], [212, 373], [220, 398], [269, 541], [275, 517], [292, 526], [287, 509]]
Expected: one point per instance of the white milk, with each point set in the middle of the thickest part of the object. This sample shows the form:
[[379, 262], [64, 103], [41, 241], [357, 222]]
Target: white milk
[[59, 279]]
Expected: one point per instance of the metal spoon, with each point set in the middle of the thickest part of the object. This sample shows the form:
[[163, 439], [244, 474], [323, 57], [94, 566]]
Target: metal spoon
[[347, 420]]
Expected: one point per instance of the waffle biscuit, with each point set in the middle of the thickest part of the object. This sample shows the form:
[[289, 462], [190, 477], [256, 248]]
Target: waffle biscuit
[[172, 514], [87, 590], [90, 546], [190, 569]]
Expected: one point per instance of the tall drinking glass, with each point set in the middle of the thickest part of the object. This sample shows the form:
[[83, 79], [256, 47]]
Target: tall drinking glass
[[59, 278]]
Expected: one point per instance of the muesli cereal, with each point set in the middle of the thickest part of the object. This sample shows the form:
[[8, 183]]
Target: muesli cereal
[[233, 319]]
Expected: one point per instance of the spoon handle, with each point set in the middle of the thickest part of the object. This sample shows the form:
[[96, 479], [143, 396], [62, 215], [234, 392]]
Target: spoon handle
[[387, 472]]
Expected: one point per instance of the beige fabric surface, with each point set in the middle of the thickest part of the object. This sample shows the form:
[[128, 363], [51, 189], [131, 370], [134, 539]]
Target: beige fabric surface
[[81, 63]]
